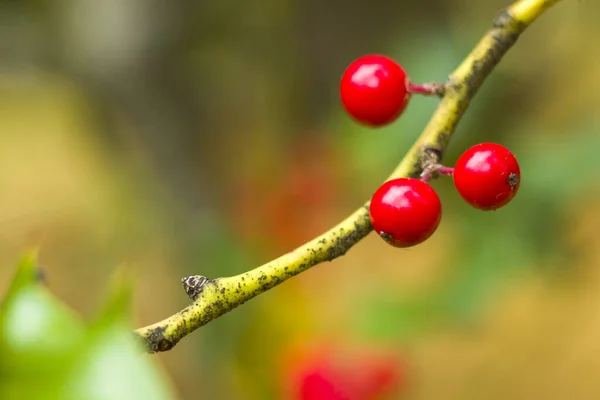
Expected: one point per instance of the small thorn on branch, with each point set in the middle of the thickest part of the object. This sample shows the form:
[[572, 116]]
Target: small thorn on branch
[[193, 285]]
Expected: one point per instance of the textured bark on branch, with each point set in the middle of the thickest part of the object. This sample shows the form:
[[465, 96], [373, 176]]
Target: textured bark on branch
[[215, 297]]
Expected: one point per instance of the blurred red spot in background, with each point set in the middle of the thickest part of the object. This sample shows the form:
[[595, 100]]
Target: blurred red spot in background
[[328, 372], [286, 209]]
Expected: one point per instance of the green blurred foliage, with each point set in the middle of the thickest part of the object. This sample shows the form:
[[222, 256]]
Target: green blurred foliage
[[47, 352]]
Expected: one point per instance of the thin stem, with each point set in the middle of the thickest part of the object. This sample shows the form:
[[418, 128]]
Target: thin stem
[[216, 297], [426, 175], [443, 170], [433, 170], [428, 89]]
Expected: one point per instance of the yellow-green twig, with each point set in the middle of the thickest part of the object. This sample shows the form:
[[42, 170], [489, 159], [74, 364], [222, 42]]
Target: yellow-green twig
[[213, 298]]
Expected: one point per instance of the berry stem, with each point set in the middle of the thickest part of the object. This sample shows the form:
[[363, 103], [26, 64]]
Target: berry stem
[[449, 171], [434, 170], [426, 175], [428, 89]]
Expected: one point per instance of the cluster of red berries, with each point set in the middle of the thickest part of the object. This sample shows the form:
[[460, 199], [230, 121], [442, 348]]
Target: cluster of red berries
[[375, 91]]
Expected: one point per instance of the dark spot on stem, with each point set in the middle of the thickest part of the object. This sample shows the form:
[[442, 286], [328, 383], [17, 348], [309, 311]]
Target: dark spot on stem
[[502, 20], [156, 340], [341, 244], [432, 155], [165, 345]]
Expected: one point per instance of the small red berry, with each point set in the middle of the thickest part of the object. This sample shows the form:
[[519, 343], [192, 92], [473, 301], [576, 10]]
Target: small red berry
[[374, 90], [405, 211], [487, 176]]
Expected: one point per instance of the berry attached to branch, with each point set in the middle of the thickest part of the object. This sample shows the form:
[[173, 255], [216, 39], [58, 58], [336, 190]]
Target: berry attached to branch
[[405, 211], [487, 176], [428, 89], [374, 90], [404, 216]]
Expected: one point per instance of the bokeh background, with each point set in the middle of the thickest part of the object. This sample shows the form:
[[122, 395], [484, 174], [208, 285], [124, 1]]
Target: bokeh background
[[182, 138]]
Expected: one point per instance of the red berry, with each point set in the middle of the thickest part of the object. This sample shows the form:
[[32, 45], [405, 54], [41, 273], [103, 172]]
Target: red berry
[[405, 211], [374, 90], [487, 176]]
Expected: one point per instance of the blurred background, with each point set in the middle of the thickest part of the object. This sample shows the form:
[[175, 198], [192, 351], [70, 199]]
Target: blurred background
[[182, 138]]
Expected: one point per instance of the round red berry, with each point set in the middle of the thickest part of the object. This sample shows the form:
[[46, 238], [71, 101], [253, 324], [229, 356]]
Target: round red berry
[[374, 90], [405, 211], [487, 176]]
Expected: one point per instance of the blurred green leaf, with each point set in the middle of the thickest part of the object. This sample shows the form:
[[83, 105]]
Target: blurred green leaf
[[112, 366], [28, 274], [32, 322], [38, 336], [46, 352]]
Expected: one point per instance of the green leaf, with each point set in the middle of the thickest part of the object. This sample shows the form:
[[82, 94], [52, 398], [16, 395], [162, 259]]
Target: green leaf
[[46, 352], [32, 322], [39, 336], [28, 273], [35, 323], [114, 366]]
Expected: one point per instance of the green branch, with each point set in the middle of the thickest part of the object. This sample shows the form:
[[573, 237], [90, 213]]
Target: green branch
[[215, 297]]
